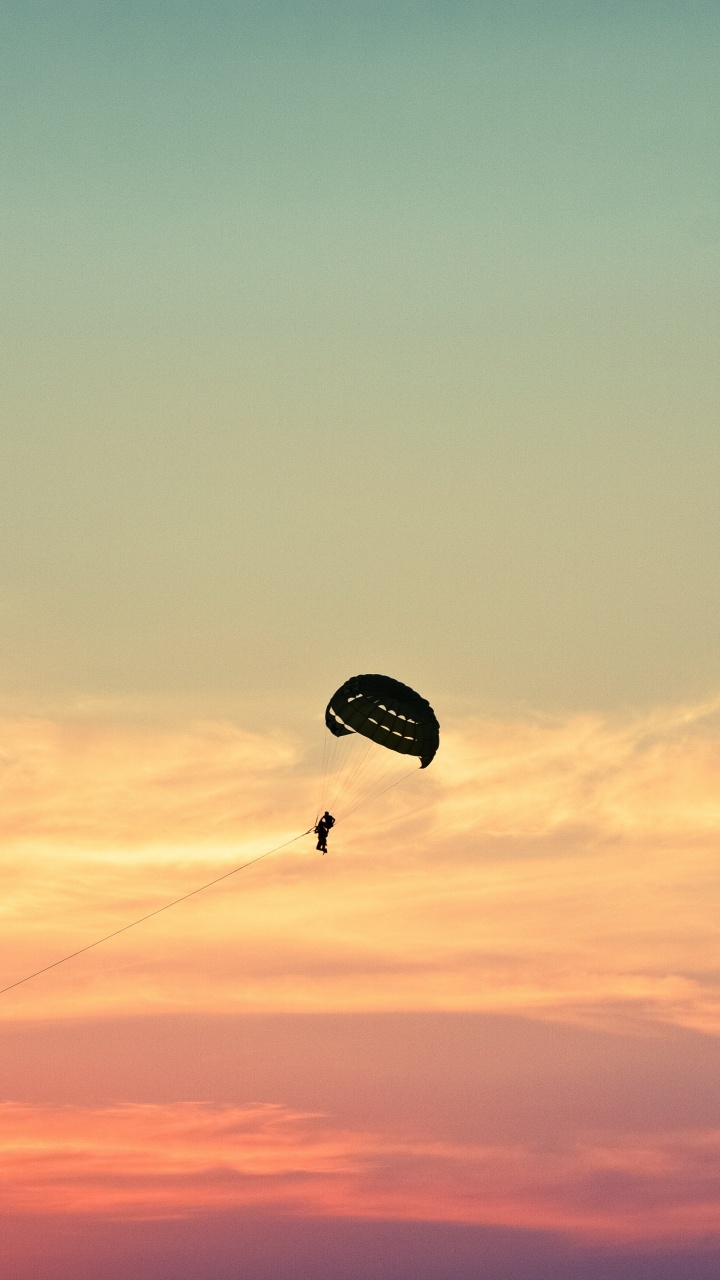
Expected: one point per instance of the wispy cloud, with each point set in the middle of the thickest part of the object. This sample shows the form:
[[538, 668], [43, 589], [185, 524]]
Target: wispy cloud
[[564, 868], [145, 1161], [84, 781], [651, 776]]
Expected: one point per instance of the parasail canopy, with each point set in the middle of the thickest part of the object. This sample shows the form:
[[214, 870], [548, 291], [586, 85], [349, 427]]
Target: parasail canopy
[[387, 712]]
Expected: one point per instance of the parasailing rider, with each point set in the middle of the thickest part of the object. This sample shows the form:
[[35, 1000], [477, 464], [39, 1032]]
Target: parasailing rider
[[323, 827]]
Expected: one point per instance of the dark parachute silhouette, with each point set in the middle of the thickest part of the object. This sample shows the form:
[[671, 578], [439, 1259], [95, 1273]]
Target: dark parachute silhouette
[[388, 712], [378, 720]]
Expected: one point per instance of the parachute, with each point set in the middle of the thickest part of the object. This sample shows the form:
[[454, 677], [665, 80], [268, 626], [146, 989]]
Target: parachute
[[388, 712], [383, 720]]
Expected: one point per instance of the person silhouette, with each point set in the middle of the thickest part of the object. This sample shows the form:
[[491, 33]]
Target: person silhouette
[[321, 830]]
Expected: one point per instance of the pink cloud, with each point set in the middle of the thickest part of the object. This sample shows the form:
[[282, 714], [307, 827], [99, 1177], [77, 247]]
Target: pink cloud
[[162, 1161]]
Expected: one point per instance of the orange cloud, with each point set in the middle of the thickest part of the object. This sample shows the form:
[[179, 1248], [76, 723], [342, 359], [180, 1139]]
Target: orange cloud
[[652, 777], [154, 1161], [81, 781], [559, 868]]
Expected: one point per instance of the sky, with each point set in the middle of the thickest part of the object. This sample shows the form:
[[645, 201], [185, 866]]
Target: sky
[[340, 338]]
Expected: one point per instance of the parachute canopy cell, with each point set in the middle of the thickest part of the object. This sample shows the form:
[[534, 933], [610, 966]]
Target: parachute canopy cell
[[388, 712]]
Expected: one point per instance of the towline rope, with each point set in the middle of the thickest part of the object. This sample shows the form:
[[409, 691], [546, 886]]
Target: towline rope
[[158, 911]]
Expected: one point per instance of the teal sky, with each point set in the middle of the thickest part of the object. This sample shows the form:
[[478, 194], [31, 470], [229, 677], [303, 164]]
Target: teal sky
[[354, 336]]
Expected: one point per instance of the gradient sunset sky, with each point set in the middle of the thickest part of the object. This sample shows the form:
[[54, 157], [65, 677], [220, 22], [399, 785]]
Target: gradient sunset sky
[[346, 337]]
